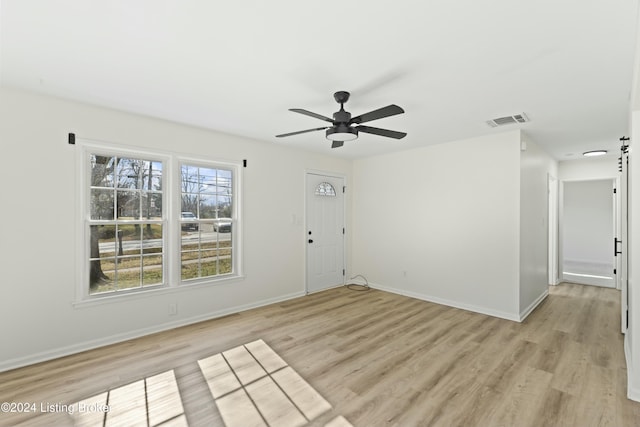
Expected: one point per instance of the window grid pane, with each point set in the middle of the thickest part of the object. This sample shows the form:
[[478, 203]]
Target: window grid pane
[[208, 254], [125, 225], [206, 221]]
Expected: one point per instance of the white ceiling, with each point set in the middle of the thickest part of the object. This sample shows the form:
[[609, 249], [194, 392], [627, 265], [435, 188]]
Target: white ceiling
[[237, 66]]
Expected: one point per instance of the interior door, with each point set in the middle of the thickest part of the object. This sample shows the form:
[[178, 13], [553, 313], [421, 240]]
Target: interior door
[[325, 231]]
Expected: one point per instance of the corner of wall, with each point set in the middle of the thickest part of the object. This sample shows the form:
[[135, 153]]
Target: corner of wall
[[527, 311], [535, 167]]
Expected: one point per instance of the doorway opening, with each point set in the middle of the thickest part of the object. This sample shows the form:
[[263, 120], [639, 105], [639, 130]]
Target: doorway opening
[[587, 232]]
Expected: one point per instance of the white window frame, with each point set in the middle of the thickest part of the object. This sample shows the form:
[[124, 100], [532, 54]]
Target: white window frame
[[171, 208], [235, 224]]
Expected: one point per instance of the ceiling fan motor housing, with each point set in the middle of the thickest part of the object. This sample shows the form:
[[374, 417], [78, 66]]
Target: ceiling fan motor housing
[[341, 116]]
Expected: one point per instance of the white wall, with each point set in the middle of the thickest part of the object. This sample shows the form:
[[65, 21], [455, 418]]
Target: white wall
[[441, 223], [38, 224], [588, 168], [632, 337], [535, 167]]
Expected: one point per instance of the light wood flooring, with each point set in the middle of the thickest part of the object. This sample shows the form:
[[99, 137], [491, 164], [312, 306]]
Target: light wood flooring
[[377, 359]]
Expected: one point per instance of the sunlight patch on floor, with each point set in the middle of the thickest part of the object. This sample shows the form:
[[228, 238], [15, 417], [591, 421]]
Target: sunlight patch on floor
[[150, 401], [253, 386]]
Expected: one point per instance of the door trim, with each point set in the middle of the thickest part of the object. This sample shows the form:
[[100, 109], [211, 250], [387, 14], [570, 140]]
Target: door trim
[[617, 232], [319, 172], [552, 225], [583, 279]]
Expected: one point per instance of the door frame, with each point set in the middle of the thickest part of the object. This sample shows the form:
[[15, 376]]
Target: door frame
[[617, 232], [552, 223], [561, 221], [331, 174], [624, 186]]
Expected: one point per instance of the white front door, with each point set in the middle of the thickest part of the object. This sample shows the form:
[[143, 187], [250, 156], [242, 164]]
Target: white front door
[[324, 231]]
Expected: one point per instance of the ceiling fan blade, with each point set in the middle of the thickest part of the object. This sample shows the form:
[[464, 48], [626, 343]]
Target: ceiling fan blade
[[311, 114], [337, 144], [381, 132], [300, 131], [389, 110]]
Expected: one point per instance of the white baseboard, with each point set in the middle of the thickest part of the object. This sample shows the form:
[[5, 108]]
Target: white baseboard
[[456, 304], [586, 279], [325, 289], [6, 365], [527, 311]]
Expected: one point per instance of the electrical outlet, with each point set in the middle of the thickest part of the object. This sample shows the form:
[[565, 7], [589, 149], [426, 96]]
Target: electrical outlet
[[173, 309]]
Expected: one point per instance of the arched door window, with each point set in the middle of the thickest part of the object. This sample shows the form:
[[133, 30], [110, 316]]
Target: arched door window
[[325, 189]]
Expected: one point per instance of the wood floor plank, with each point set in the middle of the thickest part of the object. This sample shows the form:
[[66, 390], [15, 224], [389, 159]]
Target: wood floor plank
[[339, 422], [305, 397], [90, 418], [163, 398], [274, 405], [244, 366], [219, 375], [558, 409], [238, 410], [375, 358], [127, 405], [265, 356], [523, 400]]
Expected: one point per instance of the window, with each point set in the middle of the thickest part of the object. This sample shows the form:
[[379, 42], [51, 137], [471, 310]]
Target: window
[[156, 220], [126, 223], [207, 210], [325, 189]]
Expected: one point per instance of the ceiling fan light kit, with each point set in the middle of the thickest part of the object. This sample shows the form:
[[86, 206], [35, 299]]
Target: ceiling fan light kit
[[341, 133], [342, 128]]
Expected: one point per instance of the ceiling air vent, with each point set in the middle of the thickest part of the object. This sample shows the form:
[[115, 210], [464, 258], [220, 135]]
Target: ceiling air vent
[[508, 120]]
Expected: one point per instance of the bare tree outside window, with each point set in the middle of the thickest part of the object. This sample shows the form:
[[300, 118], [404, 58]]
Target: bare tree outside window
[[134, 240], [125, 225]]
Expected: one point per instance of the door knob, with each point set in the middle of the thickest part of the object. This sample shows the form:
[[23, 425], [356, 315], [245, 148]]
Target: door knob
[[310, 241]]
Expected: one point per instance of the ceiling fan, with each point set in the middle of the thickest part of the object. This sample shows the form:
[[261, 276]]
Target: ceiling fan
[[342, 128]]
